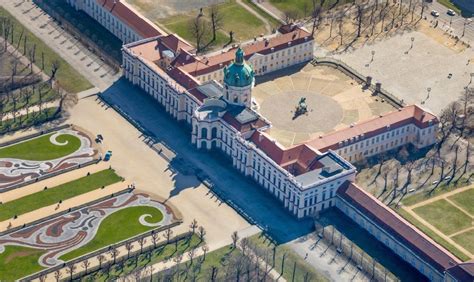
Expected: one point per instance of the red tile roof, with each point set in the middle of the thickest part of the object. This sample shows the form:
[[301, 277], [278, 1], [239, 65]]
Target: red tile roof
[[130, 17], [376, 126], [398, 227], [262, 46]]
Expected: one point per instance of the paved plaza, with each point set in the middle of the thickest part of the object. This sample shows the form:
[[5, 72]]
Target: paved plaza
[[14, 171], [334, 101], [433, 63], [60, 235]]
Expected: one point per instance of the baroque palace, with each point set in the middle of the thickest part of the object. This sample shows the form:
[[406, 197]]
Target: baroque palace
[[213, 94]]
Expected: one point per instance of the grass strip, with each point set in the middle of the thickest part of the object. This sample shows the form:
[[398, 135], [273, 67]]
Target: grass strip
[[438, 239], [54, 195]]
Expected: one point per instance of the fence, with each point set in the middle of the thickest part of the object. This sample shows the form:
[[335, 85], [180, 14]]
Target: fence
[[353, 253], [393, 100], [77, 261]]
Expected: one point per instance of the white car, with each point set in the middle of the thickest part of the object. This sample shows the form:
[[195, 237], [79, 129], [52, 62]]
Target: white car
[[451, 12], [435, 13]]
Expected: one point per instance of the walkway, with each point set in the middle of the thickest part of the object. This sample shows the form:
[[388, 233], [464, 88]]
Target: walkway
[[445, 196], [69, 48], [270, 9], [65, 205], [268, 26]]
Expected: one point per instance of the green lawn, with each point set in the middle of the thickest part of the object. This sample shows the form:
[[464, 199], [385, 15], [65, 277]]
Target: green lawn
[[159, 254], [17, 262], [444, 216], [41, 149], [302, 267], [450, 5], [273, 22], [438, 239], [465, 200], [235, 18], [201, 268], [24, 121], [302, 8], [466, 240], [55, 194], [67, 76], [440, 190], [117, 227]]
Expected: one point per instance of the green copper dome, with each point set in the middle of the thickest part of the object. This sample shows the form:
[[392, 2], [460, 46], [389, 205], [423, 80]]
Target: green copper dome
[[239, 73]]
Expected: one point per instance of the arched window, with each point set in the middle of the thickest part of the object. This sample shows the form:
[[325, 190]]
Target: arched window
[[214, 132], [204, 132]]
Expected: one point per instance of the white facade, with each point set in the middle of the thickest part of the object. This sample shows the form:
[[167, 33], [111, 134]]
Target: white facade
[[269, 62], [108, 20], [359, 147], [390, 241]]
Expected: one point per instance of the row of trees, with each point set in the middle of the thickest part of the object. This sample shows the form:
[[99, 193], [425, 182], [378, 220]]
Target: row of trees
[[141, 251], [361, 17], [20, 85], [447, 163]]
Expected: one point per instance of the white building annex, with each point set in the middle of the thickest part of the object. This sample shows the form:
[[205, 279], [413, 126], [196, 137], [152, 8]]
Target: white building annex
[[213, 95]]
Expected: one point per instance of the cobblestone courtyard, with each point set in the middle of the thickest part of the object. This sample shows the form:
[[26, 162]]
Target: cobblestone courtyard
[[408, 72], [334, 101]]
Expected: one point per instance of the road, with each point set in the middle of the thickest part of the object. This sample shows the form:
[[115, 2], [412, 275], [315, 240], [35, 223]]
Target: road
[[452, 23]]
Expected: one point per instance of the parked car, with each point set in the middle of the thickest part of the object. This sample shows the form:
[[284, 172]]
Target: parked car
[[435, 13], [451, 12], [435, 182], [107, 155], [447, 178]]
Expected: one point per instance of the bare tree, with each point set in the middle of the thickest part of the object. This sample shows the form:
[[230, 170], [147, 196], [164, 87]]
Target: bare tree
[[193, 225], [235, 238], [85, 264], [141, 242], [198, 29], [204, 248], [129, 248], [57, 275], [168, 234], [216, 20], [291, 16], [201, 233], [114, 254], [191, 255], [70, 269], [360, 16], [155, 237], [54, 69], [101, 259]]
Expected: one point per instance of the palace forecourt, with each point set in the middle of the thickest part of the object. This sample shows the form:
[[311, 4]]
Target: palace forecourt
[[212, 94]]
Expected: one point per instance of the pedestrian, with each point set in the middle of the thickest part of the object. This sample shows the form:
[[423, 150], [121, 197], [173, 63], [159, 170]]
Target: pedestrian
[[306, 256]]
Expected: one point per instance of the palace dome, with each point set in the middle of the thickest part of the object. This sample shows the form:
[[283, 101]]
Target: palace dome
[[239, 73]]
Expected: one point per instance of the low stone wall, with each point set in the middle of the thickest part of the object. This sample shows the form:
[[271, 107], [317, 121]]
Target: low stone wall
[[377, 90]]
